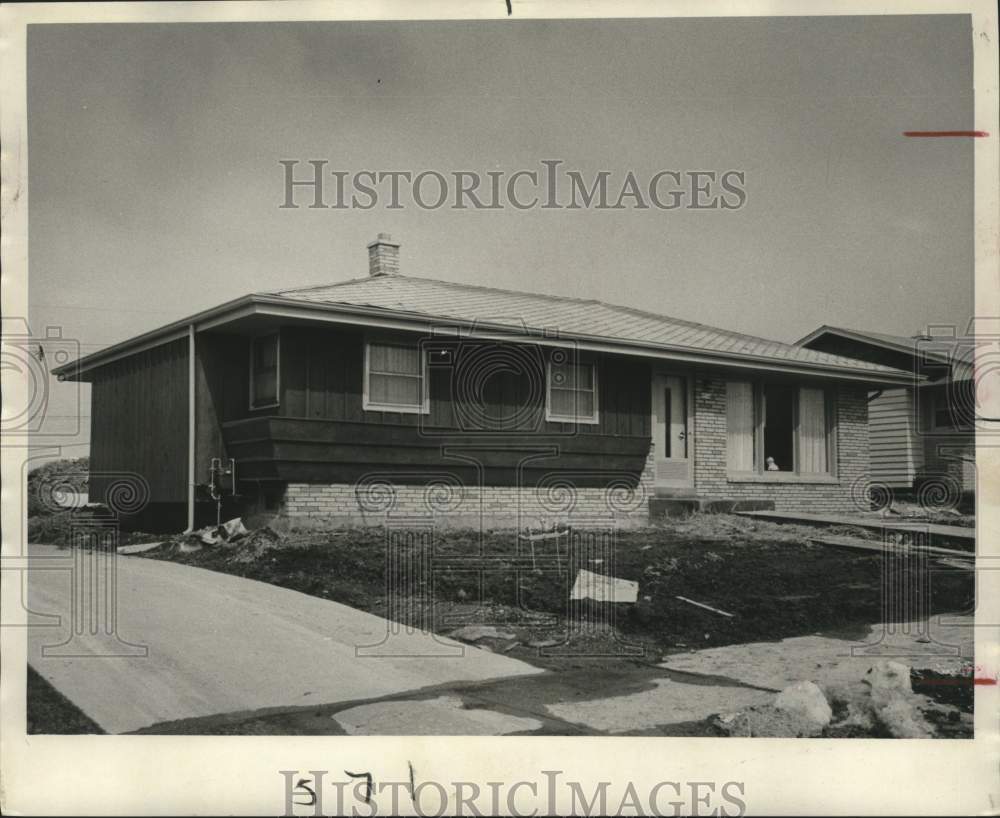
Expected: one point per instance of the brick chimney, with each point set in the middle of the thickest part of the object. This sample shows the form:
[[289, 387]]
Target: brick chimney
[[383, 256]]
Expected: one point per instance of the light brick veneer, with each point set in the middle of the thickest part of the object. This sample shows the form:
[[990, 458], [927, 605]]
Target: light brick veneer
[[712, 480], [468, 506]]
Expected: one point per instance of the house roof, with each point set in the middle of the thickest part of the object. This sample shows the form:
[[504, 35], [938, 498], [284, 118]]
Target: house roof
[[959, 357], [410, 302], [562, 315]]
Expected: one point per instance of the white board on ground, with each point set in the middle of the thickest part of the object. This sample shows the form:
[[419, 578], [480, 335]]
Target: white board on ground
[[602, 588]]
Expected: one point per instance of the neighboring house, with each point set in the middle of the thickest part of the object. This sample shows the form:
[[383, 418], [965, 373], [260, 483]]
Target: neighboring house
[[391, 395], [926, 430]]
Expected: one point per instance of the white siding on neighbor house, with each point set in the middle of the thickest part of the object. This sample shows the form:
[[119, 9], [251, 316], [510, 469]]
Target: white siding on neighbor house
[[896, 450]]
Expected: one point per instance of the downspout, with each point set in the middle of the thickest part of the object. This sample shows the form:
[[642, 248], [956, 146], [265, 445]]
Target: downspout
[[191, 422]]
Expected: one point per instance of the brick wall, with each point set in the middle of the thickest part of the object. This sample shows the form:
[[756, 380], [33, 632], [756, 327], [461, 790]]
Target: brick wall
[[837, 495], [460, 506]]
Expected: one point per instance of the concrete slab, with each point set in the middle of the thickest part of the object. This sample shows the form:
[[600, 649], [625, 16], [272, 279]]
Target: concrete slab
[[829, 660], [443, 716], [188, 643], [668, 702]]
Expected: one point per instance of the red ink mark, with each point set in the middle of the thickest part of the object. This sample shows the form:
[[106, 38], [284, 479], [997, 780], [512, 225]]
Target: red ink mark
[[946, 133], [981, 680]]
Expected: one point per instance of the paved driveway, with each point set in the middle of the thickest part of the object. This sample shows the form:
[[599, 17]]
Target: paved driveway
[[215, 643]]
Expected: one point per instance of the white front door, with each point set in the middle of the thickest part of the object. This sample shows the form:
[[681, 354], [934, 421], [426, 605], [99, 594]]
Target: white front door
[[672, 443]]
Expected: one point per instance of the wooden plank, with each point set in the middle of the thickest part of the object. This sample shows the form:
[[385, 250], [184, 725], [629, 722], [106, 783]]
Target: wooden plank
[[934, 529], [880, 547]]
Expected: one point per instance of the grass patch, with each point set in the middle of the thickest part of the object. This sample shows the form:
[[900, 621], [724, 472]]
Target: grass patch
[[50, 712]]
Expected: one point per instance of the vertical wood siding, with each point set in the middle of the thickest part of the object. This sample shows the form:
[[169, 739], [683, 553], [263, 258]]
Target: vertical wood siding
[[322, 376], [139, 422]]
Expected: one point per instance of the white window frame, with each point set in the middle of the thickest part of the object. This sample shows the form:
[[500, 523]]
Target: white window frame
[[277, 370], [373, 406], [552, 416]]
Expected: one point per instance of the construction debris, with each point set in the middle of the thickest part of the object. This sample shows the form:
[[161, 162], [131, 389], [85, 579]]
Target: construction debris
[[806, 701], [880, 547], [703, 605], [884, 698], [229, 531], [602, 588], [799, 711], [473, 633], [138, 548], [545, 643], [547, 535], [232, 530], [882, 703]]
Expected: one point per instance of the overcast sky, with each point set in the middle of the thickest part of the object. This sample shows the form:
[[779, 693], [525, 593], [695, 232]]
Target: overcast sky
[[155, 179]]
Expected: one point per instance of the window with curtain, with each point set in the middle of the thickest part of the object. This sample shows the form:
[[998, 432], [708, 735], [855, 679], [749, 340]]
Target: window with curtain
[[774, 428], [264, 371], [740, 426], [395, 377], [571, 395], [813, 431]]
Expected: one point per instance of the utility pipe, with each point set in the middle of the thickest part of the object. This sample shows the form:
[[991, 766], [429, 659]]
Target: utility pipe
[[191, 422]]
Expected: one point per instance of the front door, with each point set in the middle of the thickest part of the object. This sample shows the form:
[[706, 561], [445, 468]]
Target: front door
[[672, 443]]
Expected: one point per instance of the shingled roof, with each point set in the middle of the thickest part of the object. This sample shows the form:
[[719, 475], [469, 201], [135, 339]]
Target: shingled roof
[[407, 302], [568, 317]]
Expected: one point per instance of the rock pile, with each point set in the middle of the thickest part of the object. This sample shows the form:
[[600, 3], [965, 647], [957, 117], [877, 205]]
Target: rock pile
[[881, 703]]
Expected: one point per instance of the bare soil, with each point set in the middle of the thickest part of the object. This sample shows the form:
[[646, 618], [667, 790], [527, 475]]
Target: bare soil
[[773, 581]]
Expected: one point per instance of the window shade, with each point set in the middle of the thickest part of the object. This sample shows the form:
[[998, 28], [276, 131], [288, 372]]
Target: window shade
[[572, 392], [395, 377], [812, 431], [739, 426]]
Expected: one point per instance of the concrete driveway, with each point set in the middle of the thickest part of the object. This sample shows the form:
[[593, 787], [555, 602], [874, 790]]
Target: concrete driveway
[[190, 643]]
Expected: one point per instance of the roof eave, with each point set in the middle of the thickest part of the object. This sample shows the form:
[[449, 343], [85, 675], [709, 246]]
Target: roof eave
[[161, 335], [280, 306], [865, 339]]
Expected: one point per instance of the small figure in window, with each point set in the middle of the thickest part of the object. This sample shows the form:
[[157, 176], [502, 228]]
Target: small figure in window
[[771, 465]]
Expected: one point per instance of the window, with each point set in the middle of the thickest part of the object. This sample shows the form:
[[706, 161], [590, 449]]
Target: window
[[264, 357], [778, 428], [571, 394], [395, 378], [953, 408]]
